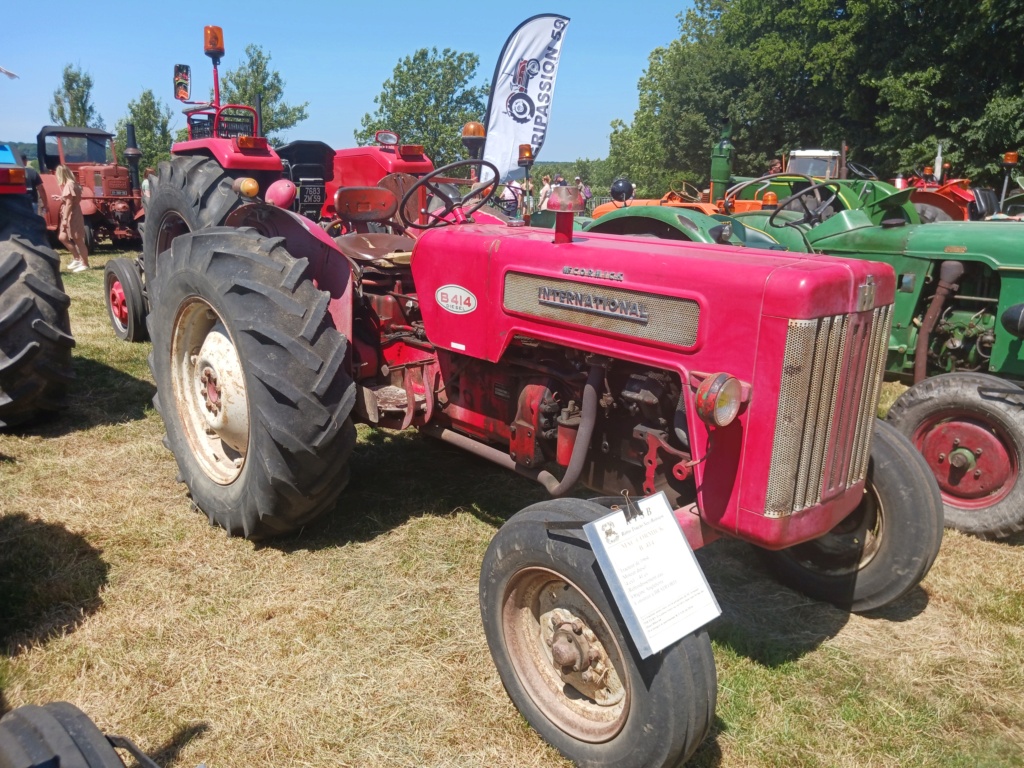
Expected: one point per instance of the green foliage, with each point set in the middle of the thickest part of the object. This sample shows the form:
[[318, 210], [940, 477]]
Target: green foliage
[[72, 101], [890, 78], [152, 120], [254, 76], [427, 101]]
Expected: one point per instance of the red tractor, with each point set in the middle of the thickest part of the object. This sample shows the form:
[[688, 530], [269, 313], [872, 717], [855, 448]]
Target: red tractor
[[111, 200], [741, 383]]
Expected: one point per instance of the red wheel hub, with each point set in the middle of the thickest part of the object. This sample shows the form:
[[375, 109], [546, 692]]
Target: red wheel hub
[[970, 460], [118, 304]]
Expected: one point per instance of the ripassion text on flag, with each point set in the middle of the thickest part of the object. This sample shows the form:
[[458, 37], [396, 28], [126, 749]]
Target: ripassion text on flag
[[519, 108]]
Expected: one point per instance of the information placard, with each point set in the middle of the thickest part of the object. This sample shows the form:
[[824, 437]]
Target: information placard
[[654, 576]]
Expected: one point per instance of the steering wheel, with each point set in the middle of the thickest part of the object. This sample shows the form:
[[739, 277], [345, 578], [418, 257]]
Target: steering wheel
[[686, 191], [861, 171], [452, 202], [812, 215], [733, 192]]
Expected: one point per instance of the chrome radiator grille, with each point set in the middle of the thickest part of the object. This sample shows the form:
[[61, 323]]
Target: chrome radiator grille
[[831, 375]]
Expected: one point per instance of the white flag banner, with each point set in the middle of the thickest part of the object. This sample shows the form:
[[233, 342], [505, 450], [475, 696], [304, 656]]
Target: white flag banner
[[519, 108]]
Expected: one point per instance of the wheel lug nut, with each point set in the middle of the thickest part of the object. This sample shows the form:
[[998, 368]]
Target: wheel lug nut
[[977, 451], [977, 473]]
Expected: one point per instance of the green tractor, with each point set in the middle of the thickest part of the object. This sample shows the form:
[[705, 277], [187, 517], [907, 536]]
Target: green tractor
[[957, 335], [35, 333]]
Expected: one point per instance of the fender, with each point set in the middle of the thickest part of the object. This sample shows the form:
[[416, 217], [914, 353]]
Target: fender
[[89, 207], [303, 236]]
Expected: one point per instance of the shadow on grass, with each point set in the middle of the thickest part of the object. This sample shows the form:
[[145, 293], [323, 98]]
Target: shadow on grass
[[50, 580], [396, 477], [168, 752], [769, 623], [99, 395]]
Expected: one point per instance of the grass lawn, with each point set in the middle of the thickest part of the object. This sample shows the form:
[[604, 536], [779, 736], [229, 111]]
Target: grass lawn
[[357, 642]]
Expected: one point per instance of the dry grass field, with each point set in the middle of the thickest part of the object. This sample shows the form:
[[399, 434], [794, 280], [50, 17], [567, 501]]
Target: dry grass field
[[358, 641]]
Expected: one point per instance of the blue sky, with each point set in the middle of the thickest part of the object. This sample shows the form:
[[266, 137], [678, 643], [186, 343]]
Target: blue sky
[[336, 58]]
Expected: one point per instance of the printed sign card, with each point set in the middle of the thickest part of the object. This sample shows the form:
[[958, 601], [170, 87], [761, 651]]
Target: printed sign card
[[653, 574]]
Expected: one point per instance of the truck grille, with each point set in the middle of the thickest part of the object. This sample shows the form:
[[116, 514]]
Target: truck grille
[[831, 376]]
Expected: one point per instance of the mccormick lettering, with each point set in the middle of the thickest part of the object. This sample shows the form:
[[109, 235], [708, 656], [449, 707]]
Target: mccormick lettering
[[600, 274], [594, 304]]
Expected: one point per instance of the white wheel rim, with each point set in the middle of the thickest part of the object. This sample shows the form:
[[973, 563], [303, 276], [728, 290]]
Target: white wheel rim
[[208, 385]]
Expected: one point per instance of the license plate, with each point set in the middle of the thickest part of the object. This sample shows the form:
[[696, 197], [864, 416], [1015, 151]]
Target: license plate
[[312, 194], [119, 192]]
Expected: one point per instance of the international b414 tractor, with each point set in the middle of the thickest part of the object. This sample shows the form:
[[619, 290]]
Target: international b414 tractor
[[741, 383], [35, 334]]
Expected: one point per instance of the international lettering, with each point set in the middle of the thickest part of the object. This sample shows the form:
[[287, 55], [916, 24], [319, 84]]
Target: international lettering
[[594, 304]]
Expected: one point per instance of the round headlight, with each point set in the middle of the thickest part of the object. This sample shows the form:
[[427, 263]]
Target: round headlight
[[718, 399], [246, 186]]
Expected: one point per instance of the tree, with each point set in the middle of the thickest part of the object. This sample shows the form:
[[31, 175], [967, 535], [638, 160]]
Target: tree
[[255, 77], [152, 120], [427, 101], [72, 101], [881, 75]]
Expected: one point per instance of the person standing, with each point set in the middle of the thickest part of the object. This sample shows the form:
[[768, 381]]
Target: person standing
[[545, 193], [144, 188], [71, 231], [34, 189]]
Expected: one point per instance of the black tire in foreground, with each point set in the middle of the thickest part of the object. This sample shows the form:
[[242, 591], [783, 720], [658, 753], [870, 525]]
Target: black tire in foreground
[[970, 429], [187, 194], [56, 734], [250, 381], [126, 303], [542, 598], [35, 332], [883, 548]]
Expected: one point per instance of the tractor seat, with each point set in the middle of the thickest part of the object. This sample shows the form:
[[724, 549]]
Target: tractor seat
[[381, 248]]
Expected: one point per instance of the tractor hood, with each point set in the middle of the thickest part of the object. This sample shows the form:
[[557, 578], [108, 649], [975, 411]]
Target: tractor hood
[[481, 286], [995, 243]]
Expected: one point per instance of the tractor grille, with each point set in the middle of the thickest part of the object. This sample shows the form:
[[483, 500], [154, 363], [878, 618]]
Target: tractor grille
[[831, 378], [643, 315]]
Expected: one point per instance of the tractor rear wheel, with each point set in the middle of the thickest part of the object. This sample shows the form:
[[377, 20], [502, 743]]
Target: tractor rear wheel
[[187, 194], [35, 332], [126, 304], [970, 429], [543, 600], [54, 734], [883, 548], [250, 381]]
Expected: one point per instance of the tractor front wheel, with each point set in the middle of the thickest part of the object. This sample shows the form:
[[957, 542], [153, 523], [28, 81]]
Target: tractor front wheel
[[565, 656], [126, 304], [884, 547], [970, 429], [251, 382]]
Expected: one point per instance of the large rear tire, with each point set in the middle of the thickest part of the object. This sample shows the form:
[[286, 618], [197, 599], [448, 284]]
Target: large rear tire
[[187, 194], [970, 429], [542, 598], [883, 548], [250, 381], [35, 332], [56, 734]]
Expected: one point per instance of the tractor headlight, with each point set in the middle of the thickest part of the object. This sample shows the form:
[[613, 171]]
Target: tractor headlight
[[246, 186], [718, 399]]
